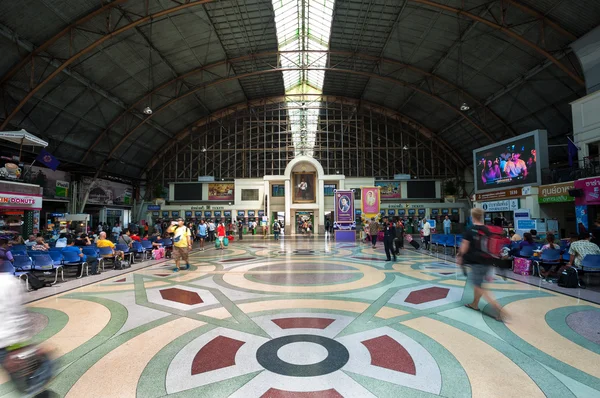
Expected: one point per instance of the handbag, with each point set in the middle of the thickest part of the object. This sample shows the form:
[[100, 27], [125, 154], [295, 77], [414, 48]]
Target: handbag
[[30, 369]]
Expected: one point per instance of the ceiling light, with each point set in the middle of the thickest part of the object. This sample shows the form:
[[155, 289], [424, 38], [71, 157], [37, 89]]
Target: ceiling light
[[203, 149], [464, 107], [405, 148], [148, 110]]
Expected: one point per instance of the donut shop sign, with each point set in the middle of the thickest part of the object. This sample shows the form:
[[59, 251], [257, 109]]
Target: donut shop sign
[[11, 201]]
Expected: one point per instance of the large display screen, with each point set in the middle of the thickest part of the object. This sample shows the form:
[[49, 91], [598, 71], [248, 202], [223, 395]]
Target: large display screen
[[420, 189], [188, 191], [511, 163]]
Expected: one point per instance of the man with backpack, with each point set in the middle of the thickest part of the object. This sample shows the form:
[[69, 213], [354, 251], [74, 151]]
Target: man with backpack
[[182, 243], [276, 229], [327, 228], [474, 251]]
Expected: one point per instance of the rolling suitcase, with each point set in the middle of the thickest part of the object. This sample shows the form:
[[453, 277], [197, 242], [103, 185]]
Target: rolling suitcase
[[412, 242]]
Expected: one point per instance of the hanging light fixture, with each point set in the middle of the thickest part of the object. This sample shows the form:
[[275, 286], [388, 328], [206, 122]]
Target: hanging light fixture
[[148, 108], [465, 107]]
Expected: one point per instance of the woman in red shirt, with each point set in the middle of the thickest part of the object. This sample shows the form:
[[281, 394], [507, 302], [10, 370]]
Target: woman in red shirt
[[221, 235]]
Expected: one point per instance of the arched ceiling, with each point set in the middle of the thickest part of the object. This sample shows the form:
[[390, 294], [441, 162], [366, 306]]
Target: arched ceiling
[[80, 74]]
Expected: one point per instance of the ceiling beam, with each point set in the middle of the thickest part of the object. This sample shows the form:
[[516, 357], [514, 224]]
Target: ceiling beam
[[133, 109], [192, 3]]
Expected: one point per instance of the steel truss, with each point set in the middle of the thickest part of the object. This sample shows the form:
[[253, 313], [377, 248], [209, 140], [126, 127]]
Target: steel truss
[[352, 140]]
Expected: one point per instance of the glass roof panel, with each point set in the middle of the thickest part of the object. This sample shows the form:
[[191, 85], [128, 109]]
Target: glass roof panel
[[303, 30]]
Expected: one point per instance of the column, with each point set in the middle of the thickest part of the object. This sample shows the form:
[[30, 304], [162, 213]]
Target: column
[[288, 207], [321, 204]]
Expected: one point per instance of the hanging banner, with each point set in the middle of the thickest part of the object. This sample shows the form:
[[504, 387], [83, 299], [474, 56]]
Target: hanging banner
[[371, 201], [344, 206], [221, 191]]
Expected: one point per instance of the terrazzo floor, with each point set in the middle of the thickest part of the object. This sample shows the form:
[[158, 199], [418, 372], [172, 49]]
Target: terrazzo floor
[[314, 319]]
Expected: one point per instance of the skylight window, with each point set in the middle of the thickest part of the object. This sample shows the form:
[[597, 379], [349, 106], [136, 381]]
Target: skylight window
[[303, 29]]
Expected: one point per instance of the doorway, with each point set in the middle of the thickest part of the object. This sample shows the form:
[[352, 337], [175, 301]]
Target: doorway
[[305, 221]]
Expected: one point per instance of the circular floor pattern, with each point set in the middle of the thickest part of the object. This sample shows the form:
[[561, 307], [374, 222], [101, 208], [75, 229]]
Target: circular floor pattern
[[303, 353], [304, 279], [586, 324], [337, 356]]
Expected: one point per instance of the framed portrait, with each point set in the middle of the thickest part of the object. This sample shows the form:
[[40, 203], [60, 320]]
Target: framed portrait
[[304, 187]]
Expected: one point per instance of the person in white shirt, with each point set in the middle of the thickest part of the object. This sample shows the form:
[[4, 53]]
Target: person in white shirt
[[447, 225], [426, 233], [61, 241], [31, 241], [211, 231], [15, 326], [116, 232]]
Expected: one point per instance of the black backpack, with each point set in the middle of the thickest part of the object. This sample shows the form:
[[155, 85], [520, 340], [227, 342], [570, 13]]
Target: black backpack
[[35, 283], [568, 278]]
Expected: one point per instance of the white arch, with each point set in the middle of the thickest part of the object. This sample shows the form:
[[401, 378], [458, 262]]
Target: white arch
[[304, 159]]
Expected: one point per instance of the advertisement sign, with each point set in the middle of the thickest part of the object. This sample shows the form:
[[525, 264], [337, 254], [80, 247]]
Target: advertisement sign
[[511, 163], [503, 194], [104, 192], [221, 191], [591, 191], [370, 201], [389, 189], [556, 193], [581, 214], [500, 205], [26, 202], [54, 183], [343, 206]]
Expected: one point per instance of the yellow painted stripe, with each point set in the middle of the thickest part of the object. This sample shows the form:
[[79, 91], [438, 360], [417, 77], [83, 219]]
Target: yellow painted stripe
[[117, 373], [491, 373]]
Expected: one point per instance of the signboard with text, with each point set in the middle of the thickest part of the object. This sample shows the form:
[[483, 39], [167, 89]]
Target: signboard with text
[[556, 193], [506, 193]]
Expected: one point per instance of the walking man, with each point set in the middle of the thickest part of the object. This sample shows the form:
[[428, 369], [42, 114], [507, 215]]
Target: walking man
[[240, 227], [276, 229], [211, 231], [116, 232], [399, 241], [447, 225], [327, 228], [182, 244], [426, 233], [202, 231], [373, 231], [389, 234], [472, 252]]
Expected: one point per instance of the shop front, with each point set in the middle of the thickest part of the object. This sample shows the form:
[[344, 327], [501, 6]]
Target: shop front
[[587, 202], [500, 206], [19, 211], [556, 204]]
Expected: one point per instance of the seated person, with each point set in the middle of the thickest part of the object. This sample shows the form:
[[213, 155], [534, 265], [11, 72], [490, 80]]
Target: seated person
[[580, 249], [103, 242], [515, 237], [83, 240], [125, 238], [157, 242], [61, 241], [527, 241], [5, 254], [18, 240], [550, 243], [92, 262], [134, 236], [31, 241], [533, 233], [40, 245], [145, 237]]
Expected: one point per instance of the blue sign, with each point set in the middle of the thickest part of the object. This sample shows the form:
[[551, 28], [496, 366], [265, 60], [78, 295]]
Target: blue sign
[[382, 212], [251, 213], [227, 213], [391, 212], [358, 212], [445, 211], [401, 212], [166, 214], [188, 213], [207, 214], [411, 212], [525, 225], [155, 213], [421, 212], [56, 214], [454, 211], [241, 213], [217, 214], [175, 213], [153, 207], [435, 212], [261, 213], [198, 214]]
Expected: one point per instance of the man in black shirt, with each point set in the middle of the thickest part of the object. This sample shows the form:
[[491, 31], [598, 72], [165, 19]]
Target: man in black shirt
[[389, 234], [473, 253]]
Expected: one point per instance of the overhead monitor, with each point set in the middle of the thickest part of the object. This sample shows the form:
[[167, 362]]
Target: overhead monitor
[[512, 163]]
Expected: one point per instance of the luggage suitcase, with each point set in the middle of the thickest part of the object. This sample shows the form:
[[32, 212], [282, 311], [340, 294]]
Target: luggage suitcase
[[415, 244], [521, 266]]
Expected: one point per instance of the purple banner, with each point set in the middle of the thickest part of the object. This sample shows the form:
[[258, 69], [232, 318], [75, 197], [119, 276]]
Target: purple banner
[[344, 206]]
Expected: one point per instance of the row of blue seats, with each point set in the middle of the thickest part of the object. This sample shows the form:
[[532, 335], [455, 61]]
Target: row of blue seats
[[449, 240]]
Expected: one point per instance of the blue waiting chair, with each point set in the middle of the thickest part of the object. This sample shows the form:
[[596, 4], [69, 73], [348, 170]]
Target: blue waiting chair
[[22, 263], [18, 252], [168, 245], [56, 256], [126, 250], [18, 247], [547, 257], [72, 259], [591, 263], [9, 268], [137, 248], [457, 242], [43, 262], [526, 252], [566, 256], [105, 253]]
